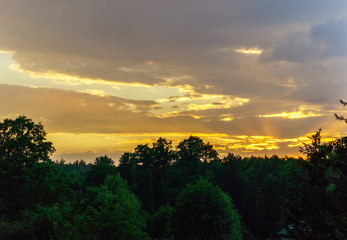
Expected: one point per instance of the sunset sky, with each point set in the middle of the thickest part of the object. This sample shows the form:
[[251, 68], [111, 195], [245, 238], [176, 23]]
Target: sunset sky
[[253, 77]]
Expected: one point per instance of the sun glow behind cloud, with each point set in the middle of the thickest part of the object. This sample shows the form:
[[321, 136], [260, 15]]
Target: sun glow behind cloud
[[72, 80], [186, 102], [254, 50], [239, 72], [193, 101], [226, 117], [291, 115], [12, 73], [67, 143]]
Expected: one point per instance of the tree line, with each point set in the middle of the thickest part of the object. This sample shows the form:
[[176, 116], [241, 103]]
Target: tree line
[[160, 191]]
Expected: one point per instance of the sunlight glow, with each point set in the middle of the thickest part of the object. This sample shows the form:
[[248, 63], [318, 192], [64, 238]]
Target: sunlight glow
[[254, 50], [66, 79], [193, 101], [291, 115], [98, 142], [95, 92], [226, 117]]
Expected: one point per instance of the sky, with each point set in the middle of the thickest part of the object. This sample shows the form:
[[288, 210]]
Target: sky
[[252, 77]]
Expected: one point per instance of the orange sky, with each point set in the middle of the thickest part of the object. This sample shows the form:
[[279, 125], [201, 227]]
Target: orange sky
[[251, 77]]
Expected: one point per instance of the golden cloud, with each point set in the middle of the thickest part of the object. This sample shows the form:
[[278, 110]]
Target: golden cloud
[[226, 117], [71, 142], [291, 115], [193, 101], [74, 80], [253, 50]]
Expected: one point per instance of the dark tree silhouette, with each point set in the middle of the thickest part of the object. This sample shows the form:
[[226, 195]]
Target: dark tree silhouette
[[193, 150], [22, 142], [323, 199], [339, 117], [99, 170], [40, 199], [24, 155]]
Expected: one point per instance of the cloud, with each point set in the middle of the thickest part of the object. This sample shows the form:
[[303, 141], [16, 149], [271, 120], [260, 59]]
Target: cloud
[[332, 36], [297, 47], [254, 50], [222, 64], [115, 41], [321, 41], [72, 111], [291, 115], [80, 122], [69, 111], [115, 144]]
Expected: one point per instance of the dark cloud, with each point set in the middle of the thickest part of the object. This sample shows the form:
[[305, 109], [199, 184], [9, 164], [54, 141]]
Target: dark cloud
[[296, 47], [95, 39], [317, 82], [322, 41], [332, 35]]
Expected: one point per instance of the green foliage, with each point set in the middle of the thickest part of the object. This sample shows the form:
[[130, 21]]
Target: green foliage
[[160, 225], [146, 170], [22, 142], [110, 212], [323, 206], [162, 153], [25, 166], [72, 177], [40, 199], [193, 158], [261, 189], [203, 211], [99, 170]]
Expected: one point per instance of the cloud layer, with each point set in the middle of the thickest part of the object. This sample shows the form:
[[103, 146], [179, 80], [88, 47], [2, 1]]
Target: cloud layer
[[240, 68]]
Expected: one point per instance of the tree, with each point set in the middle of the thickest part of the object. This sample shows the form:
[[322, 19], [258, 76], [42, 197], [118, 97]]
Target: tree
[[160, 225], [203, 211], [110, 212], [23, 149], [193, 157], [341, 118], [22, 142], [192, 151], [324, 198], [127, 167], [146, 170], [99, 170], [162, 152]]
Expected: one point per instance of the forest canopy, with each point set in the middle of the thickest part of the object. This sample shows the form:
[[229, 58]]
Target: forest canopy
[[160, 191]]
